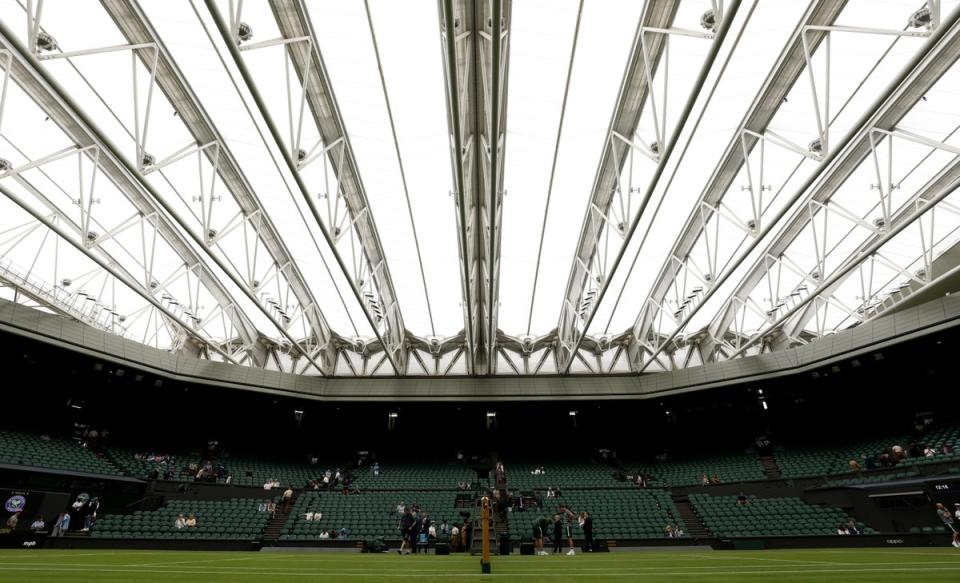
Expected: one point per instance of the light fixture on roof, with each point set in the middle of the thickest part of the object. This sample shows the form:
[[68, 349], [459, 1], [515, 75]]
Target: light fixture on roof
[[301, 154], [879, 222], [922, 18], [655, 148], [65, 282], [5, 165], [148, 160], [45, 42], [816, 146], [92, 236], [211, 234], [244, 32], [709, 20]]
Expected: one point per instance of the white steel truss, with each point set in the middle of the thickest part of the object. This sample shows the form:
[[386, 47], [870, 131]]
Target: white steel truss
[[837, 166], [474, 38], [348, 215], [612, 203]]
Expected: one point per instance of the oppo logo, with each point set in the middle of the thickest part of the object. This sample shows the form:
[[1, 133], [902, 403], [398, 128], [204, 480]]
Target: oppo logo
[[29, 543], [894, 541]]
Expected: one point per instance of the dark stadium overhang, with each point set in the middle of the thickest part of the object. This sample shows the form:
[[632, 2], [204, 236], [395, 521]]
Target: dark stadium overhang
[[911, 323]]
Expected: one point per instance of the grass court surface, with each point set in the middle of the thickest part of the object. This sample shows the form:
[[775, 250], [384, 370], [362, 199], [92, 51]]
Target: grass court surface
[[929, 565]]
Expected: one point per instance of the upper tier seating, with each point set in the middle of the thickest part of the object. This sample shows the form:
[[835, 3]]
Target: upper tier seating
[[140, 467], [822, 461], [414, 476], [767, 517], [27, 449], [236, 519], [689, 471], [564, 475]]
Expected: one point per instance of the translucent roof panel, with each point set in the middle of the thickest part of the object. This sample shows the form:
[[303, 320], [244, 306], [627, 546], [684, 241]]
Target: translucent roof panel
[[281, 190]]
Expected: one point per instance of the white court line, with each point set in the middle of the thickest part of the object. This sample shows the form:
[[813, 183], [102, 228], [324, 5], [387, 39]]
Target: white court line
[[194, 561], [806, 561], [326, 573]]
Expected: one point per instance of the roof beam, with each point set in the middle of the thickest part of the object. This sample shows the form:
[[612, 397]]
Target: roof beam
[[136, 27], [588, 283], [939, 57], [44, 91], [916, 78], [475, 42], [374, 291], [778, 84]]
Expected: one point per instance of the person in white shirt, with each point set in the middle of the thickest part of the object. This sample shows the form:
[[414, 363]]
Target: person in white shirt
[[308, 517], [287, 498], [268, 485], [324, 535], [928, 452], [180, 522]]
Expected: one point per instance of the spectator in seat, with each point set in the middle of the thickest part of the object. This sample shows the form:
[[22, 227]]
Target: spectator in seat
[[929, 452], [852, 527], [715, 479], [401, 507], [324, 535], [191, 521], [376, 469], [38, 524], [843, 530], [742, 499], [854, 466], [705, 480], [669, 530], [180, 522]]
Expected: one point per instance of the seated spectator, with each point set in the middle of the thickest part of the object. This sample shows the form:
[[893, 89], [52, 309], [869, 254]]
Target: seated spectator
[[640, 480], [191, 521], [376, 470], [228, 480], [705, 480], [929, 452], [946, 448], [539, 471], [180, 522], [401, 507], [843, 530], [268, 485], [272, 508], [898, 453], [13, 521], [854, 466], [38, 524], [669, 530], [852, 527], [742, 499], [324, 535], [715, 479], [551, 493], [678, 532]]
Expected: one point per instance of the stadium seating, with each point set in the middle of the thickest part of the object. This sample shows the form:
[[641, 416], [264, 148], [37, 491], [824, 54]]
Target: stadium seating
[[564, 475], [415, 476], [126, 459], [367, 515], [823, 461], [236, 519], [767, 517], [617, 513], [690, 471], [27, 449]]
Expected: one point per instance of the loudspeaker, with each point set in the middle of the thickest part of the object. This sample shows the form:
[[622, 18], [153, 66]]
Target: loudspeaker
[[526, 548], [442, 549]]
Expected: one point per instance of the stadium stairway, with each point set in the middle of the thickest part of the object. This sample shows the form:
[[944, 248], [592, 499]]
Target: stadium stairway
[[277, 525], [770, 468], [695, 526]]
